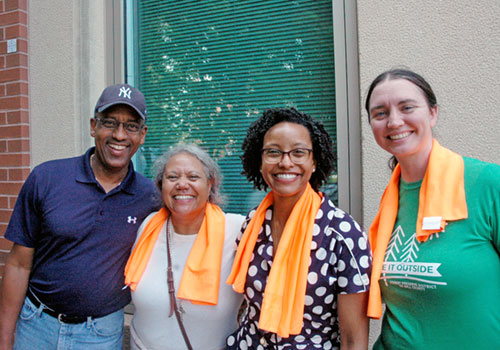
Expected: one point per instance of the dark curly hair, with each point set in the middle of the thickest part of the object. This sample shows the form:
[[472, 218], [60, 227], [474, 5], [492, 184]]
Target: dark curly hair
[[252, 144]]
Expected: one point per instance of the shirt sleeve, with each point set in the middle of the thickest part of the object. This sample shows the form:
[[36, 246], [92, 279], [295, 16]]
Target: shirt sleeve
[[494, 194], [25, 222], [352, 255], [496, 224]]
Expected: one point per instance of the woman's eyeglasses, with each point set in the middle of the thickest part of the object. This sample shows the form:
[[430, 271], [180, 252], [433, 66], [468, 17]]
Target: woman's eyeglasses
[[274, 155]]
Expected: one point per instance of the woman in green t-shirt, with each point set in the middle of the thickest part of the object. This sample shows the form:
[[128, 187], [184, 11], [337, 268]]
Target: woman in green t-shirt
[[436, 236]]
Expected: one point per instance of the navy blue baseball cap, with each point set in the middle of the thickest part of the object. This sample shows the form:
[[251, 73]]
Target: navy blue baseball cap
[[122, 94]]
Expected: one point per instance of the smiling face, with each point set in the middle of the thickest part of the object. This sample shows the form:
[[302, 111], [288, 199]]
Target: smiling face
[[115, 147], [185, 186], [402, 120], [286, 178]]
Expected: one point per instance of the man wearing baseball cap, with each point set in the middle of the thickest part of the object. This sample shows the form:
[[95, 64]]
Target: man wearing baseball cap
[[73, 227]]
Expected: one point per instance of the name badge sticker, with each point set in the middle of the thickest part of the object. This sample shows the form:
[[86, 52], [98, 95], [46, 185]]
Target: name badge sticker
[[432, 223]]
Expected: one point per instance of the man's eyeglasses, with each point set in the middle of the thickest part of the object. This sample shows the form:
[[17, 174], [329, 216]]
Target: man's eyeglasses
[[131, 127], [274, 155]]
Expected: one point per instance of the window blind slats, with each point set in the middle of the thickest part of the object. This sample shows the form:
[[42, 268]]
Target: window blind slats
[[209, 68]]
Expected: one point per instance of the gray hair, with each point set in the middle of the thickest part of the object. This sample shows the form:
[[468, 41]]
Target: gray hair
[[212, 170]]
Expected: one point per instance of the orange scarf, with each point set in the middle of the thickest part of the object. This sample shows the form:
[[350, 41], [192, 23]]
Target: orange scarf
[[441, 199], [201, 276], [282, 308]]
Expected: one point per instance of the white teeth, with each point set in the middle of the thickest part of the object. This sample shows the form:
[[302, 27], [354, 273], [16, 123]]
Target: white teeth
[[117, 147], [286, 176], [183, 197], [400, 136]]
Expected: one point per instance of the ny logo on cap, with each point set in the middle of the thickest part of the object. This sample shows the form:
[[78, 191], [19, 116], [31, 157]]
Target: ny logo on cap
[[125, 91]]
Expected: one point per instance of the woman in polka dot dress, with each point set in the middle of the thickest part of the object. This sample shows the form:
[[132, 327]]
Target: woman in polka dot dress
[[302, 264]]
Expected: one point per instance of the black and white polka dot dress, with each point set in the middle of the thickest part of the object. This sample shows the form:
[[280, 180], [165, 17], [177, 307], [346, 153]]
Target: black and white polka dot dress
[[340, 264]]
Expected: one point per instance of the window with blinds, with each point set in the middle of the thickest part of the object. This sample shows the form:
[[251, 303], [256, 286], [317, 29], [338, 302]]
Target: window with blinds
[[209, 68]]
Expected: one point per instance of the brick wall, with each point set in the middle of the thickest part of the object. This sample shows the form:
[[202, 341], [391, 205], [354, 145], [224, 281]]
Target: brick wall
[[14, 114]]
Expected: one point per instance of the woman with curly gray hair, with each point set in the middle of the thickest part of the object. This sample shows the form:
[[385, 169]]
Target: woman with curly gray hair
[[194, 240]]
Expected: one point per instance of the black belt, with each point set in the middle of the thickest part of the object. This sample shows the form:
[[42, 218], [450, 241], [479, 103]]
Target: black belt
[[61, 317]]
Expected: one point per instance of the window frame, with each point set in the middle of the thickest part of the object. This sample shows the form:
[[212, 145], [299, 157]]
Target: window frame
[[346, 86], [345, 33]]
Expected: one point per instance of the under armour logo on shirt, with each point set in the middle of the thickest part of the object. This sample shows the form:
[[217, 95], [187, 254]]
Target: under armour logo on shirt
[[125, 92], [132, 220]]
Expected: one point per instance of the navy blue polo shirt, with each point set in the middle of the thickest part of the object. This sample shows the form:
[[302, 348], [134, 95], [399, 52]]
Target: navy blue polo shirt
[[82, 235]]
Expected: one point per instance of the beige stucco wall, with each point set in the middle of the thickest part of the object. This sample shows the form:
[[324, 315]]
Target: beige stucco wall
[[66, 74], [455, 46]]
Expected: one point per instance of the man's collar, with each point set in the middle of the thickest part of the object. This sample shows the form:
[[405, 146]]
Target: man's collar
[[85, 174]]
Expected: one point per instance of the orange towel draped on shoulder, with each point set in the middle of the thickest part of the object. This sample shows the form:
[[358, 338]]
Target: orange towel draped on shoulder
[[201, 276], [282, 308], [139, 257], [442, 195]]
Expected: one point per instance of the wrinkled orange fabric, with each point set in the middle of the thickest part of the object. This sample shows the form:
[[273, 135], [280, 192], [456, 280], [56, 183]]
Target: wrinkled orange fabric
[[442, 194], [201, 276], [139, 257], [282, 310]]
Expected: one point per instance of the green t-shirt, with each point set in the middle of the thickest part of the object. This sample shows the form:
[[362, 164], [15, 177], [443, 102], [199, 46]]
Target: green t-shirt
[[445, 293]]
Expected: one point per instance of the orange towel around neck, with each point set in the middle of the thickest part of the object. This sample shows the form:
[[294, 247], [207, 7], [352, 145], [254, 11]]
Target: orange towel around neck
[[201, 276], [139, 257], [442, 194], [282, 308]]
